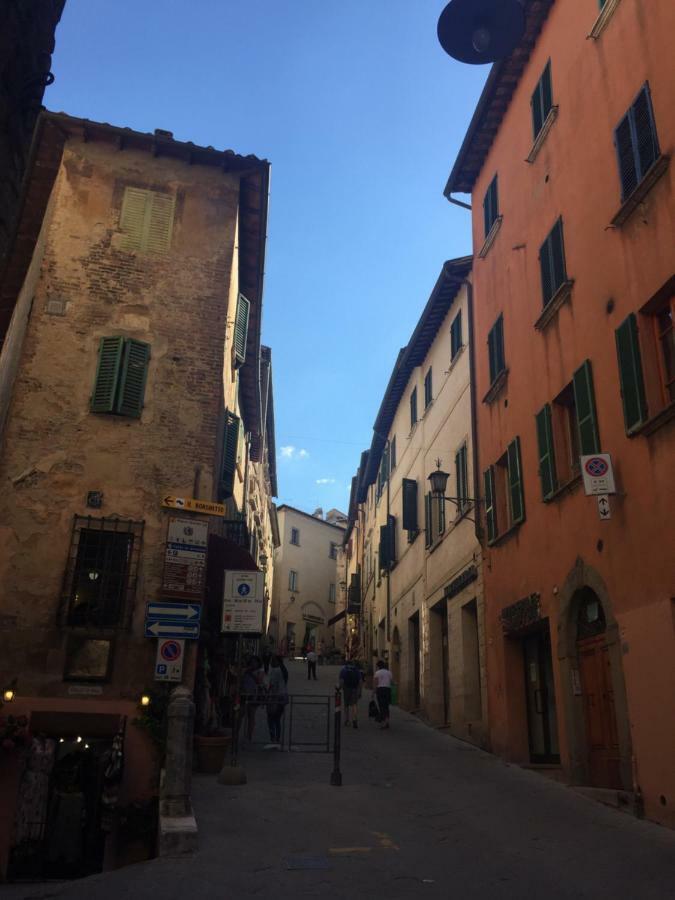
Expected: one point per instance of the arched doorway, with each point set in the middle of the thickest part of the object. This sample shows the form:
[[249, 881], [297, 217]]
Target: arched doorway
[[597, 692]]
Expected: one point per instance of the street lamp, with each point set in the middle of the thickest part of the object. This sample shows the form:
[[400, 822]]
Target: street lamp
[[439, 481], [481, 31]]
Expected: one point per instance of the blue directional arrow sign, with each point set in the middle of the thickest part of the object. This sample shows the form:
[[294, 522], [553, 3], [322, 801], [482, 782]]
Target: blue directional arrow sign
[[172, 620]]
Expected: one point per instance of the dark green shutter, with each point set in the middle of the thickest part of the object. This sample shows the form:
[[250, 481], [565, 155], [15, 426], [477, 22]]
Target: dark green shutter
[[461, 474], [385, 559], [542, 100], [230, 444], [413, 407], [517, 503], [241, 328], [584, 398], [441, 514], [558, 255], [645, 133], [391, 539], [392, 454], [490, 206], [496, 349], [630, 373], [490, 511], [133, 377], [546, 265], [409, 490], [623, 141], [110, 350], [547, 471], [428, 537]]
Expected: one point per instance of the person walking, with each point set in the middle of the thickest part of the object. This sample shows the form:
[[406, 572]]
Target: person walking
[[351, 680], [277, 698], [311, 663], [382, 680]]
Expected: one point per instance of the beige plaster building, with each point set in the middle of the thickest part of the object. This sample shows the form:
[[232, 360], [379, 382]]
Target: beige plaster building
[[132, 384], [306, 579], [419, 570]]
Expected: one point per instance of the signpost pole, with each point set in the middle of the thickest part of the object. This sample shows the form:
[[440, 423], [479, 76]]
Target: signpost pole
[[234, 773]]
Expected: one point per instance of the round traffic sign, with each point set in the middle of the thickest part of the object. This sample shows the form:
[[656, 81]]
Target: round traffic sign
[[170, 650], [244, 589], [596, 466]]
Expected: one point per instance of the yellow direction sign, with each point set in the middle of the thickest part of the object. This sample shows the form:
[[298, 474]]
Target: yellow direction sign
[[191, 504]]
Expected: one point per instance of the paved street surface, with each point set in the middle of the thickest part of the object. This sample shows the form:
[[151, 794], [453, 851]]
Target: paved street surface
[[419, 815]]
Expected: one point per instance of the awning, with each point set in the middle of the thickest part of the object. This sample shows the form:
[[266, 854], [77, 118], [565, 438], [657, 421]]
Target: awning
[[337, 618]]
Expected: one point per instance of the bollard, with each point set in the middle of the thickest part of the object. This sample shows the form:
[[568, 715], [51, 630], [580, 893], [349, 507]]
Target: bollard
[[178, 768], [336, 774]]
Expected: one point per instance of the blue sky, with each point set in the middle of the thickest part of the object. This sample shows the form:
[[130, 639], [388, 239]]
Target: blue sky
[[361, 115]]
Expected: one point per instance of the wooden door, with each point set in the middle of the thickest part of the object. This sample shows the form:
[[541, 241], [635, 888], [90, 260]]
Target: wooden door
[[599, 713]]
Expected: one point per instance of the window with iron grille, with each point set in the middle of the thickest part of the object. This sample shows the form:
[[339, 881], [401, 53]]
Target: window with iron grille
[[637, 146], [101, 573]]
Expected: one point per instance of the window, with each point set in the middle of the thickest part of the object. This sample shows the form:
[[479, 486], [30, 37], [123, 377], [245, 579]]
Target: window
[[231, 433], [240, 338], [552, 262], [121, 373], [292, 580], [504, 496], [413, 408], [665, 339], [462, 476], [331, 593], [630, 372], [637, 145], [295, 536], [382, 474], [333, 550], [146, 220], [409, 516], [101, 572], [456, 335], [392, 453], [490, 206], [584, 398], [547, 470], [428, 389], [496, 349], [434, 518], [542, 100], [387, 551]]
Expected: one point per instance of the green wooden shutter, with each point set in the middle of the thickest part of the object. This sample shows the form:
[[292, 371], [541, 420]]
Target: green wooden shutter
[[630, 373], [441, 514], [409, 491], [428, 537], [546, 92], [241, 328], [391, 539], [546, 265], [229, 464], [490, 511], [584, 398], [517, 502], [385, 559], [623, 141], [392, 454], [132, 378], [159, 223], [461, 474], [547, 470], [135, 206], [110, 351], [646, 143], [558, 255]]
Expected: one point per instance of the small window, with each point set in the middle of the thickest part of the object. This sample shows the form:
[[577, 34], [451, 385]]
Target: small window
[[456, 335], [636, 142], [295, 536], [542, 100], [504, 495], [392, 453], [630, 371], [490, 206], [462, 476], [413, 408], [333, 551], [564, 461], [331, 593], [146, 220], [292, 580], [428, 389], [496, 349], [121, 374], [409, 502], [552, 263]]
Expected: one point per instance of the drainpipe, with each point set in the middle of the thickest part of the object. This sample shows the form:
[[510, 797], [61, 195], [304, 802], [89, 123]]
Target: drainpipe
[[387, 448], [474, 414]]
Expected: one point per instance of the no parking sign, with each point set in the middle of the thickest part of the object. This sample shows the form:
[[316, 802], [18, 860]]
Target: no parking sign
[[169, 662]]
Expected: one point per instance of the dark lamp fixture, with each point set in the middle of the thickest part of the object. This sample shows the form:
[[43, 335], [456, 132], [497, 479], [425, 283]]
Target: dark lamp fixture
[[481, 31], [438, 480]]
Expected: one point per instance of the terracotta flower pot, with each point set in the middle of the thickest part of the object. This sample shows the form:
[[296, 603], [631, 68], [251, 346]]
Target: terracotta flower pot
[[211, 752]]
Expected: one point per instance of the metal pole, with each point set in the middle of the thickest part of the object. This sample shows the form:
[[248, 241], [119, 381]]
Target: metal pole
[[336, 774], [237, 707]]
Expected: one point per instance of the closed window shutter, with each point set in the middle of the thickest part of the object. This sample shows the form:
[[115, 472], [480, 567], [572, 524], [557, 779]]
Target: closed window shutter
[[546, 92], [241, 328], [546, 264], [133, 377], [110, 350], [499, 345], [391, 539], [428, 537], [461, 474], [385, 559], [517, 504], [558, 255], [413, 407], [490, 512], [159, 223], [630, 373], [584, 398], [146, 220], [547, 471], [623, 140], [490, 206], [409, 488], [392, 453], [132, 218], [487, 223], [537, 110], [230, 442], [645, 132]]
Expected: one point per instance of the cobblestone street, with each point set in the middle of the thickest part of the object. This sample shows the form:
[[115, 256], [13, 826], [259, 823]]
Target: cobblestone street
[[418, 811]]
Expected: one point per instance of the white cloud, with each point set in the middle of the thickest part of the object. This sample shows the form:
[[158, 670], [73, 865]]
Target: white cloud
[[291, 452], [325, 481], [302, 454]]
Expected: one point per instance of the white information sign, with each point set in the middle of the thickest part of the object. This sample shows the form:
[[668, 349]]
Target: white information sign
[[604, 509], [598, 474], [243, 602], [169, 662]]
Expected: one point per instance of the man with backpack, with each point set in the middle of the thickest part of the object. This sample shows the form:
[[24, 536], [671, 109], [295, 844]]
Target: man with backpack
[[351, 679]]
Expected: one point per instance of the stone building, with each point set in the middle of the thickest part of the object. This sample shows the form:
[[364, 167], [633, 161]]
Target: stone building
[[136, 422], [567, 160], [421, 570], [306, 579]]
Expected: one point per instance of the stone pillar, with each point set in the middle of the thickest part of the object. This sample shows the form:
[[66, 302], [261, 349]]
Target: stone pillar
[[178, 767]]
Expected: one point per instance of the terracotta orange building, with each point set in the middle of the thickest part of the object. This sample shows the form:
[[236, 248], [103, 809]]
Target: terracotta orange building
[[567, 160]]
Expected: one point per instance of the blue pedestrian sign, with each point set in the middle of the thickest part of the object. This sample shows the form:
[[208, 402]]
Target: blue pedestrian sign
[[164, 619]]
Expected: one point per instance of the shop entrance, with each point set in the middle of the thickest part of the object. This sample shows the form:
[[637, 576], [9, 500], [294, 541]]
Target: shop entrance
[[597, 692], [540, 695]]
